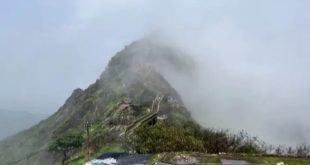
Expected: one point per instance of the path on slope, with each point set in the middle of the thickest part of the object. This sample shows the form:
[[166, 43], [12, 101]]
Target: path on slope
[[146, 118]]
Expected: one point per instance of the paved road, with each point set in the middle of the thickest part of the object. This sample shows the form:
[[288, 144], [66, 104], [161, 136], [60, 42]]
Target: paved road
[[134, 159], [162, 163], [234, 162], [142, 159]]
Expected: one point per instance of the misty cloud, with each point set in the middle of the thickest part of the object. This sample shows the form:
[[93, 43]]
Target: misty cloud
[[252, 56]]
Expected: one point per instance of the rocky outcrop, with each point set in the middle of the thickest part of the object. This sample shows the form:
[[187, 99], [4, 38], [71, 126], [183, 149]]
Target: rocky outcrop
[[122, 94]]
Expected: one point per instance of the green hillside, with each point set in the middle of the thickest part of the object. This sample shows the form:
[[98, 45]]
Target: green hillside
[[124, 93]]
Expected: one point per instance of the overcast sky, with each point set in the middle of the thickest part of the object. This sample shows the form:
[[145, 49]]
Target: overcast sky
[[48, 48]]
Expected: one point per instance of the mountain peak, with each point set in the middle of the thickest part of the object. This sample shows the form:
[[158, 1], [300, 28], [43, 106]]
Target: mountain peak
[[124, 93], [149, 52]]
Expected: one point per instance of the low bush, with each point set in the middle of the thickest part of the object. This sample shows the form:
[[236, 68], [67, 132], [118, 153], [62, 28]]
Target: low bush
[[189, 136]]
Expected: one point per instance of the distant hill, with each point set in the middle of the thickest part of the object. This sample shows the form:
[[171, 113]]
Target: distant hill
[[123, 94], [12, 122]]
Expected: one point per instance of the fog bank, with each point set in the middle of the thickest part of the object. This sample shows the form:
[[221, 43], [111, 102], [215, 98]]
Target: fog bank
[[253, 83]]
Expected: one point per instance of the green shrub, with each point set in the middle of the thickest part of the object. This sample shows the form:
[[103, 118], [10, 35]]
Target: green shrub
[[165, 138], [189, 136], [66, 144]]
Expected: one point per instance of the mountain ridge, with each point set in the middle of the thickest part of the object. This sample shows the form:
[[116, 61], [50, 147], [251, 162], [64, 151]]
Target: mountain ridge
[[133, 74]]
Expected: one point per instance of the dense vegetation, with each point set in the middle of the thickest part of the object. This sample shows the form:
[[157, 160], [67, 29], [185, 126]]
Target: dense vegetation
[[189, 136], [67, 144], [166, 138]]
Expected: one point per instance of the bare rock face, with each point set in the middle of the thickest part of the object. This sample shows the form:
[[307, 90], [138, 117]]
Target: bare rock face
[[122, 94]]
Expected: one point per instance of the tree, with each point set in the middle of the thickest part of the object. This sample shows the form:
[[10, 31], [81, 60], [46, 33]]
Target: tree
[[302, 150], [67, 144], [290, 151], [280, 150], [215, 141]]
